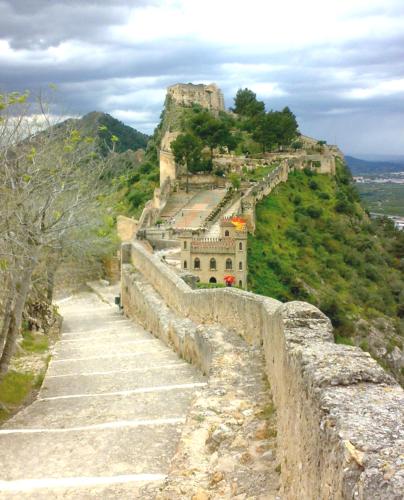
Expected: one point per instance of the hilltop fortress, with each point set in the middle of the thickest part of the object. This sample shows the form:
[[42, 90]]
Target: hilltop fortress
[[339, 418], [211, 201]]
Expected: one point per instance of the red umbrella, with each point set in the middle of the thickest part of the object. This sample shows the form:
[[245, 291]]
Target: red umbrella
[[229, 280]]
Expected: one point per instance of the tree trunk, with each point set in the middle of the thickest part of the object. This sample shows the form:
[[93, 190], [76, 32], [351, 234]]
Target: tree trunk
[[14, 325], [50, 278], [6, 320], [187, 182]]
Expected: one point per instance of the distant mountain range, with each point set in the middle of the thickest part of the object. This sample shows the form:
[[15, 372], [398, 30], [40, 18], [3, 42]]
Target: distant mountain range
[[366, 167]]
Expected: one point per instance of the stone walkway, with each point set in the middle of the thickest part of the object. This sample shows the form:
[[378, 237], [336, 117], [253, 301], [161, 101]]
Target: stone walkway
[[194, 213], [214, 230], [109, 415]]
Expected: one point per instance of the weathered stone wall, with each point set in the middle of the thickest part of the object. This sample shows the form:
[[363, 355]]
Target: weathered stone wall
[[327, 397], [208, 96], [126, 228], [340, 415], [322, 163], [202, 181], [225, 418], [149, 215], [168, 169]]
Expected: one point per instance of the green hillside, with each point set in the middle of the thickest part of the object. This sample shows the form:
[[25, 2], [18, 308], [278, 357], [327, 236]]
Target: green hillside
[[111, 133], [314, 242], [132, 176]]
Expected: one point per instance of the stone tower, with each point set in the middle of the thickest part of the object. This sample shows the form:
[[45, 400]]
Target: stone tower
[[208, 96], [185, 95]]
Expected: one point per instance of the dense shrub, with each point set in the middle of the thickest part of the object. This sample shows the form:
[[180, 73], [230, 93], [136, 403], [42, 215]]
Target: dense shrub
[[319, 245], [314, 212]]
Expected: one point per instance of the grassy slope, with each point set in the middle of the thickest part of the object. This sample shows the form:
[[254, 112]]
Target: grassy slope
[[19, 383], [304, 249]]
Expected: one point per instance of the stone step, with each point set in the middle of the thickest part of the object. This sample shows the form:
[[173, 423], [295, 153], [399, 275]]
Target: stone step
[[60, 386], [109, 414], [112, 487], [65, 413], [107, 337], [109, 347], [128, 447], [86, 322], [113, 328], [106, 362]]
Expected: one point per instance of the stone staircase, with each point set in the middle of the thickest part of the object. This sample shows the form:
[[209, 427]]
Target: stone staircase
[[214, 229], [174, 204], [195, 212], [109, 414]]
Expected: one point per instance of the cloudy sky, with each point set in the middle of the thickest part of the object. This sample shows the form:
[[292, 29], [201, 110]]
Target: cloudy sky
[[338, 64]]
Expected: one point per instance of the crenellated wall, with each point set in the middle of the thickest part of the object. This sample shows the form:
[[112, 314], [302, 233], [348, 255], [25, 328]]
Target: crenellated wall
[[340, 415]]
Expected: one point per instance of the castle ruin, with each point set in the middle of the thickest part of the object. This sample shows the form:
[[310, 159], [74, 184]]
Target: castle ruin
[[207, 96]]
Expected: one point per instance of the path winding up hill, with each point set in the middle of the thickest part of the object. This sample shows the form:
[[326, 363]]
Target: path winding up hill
[[109, 414]]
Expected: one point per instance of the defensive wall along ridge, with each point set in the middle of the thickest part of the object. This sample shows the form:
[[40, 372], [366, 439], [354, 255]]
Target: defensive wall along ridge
[[340, 432], [321, 163]]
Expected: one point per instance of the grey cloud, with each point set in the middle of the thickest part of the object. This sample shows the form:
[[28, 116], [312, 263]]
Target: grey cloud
[[313, 78], [44, 23]]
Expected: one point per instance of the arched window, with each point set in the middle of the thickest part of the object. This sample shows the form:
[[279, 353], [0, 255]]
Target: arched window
[[197, 263], [226, 233], [240, 284], [212, 280], [240, 266], [212, 264], [229, 264], [185, 264], [185, 245], [240, 246]]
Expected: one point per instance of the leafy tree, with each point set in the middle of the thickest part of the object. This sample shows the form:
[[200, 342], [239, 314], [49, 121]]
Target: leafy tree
[[274, 128], [247, 105], [264, 131], [235, 180], [50, 181], [187, 149], [212, 131], [297, 145], [288, 127]]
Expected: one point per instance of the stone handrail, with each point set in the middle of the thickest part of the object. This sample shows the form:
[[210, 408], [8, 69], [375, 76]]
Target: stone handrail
[[218, 211], [339, 413]]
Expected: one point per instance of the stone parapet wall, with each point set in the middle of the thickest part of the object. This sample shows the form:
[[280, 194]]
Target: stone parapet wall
[[325, 161], [167, 166], [126, 227], [339, 412], [225, 442], [340, 415]]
